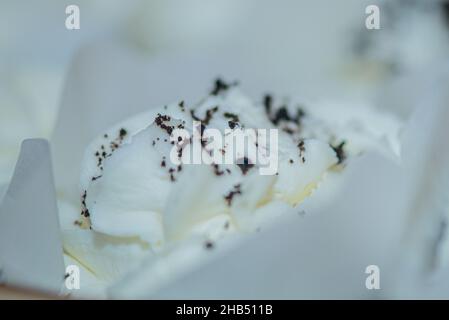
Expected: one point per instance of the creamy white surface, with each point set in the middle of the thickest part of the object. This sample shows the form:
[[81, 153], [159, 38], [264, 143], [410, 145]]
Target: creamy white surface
[[136, 211]]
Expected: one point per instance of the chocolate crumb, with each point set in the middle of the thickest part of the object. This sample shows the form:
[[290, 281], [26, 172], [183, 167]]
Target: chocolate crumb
[[341, 155], [282, 114], [209, 244], [160, 122], [268, 103], [122, 133], [302, 149], [230, 196], [217, 170], [232, 116], [85, 213], [232, 124], [181, 105], [245, 166], [221, 86]]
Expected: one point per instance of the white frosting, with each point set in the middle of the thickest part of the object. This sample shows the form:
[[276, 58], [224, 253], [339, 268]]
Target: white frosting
[[138, 207]]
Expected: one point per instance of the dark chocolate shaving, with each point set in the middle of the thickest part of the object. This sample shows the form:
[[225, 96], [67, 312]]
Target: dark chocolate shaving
[[209, 114], [217, 170], [122, 133], [244, 165], [339, 150], [221, 86], [282, 115], [231, 116], [232, 124], [160, 122], [230, 196]]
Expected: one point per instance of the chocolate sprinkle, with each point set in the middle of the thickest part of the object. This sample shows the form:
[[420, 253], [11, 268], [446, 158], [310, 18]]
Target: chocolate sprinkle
[[268, 103], [160, 119], [282, 114], [302, 149], [209, 114], [181, 105], [217, 170], [230, 196], [232, 124], [231, 116], [122, 133], [341, 154], [221, 86], [245, 166]]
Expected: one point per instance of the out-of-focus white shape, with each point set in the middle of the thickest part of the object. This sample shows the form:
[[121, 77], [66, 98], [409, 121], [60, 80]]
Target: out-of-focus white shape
[[435, 286], [35, 51], [425, 157], [411, 46], [3, 189], [30, 243], [414, 24], [167, 24]]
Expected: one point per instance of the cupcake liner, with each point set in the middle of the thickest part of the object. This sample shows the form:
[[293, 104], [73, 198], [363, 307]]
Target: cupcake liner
[[30, 242]]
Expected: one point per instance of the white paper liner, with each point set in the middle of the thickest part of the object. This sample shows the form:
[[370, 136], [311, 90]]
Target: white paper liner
[[30, 242]]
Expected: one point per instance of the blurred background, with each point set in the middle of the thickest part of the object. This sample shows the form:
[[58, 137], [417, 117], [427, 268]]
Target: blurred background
[[308, 49]]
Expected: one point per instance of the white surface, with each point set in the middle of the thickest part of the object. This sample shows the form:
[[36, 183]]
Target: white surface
[[30, 243]]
